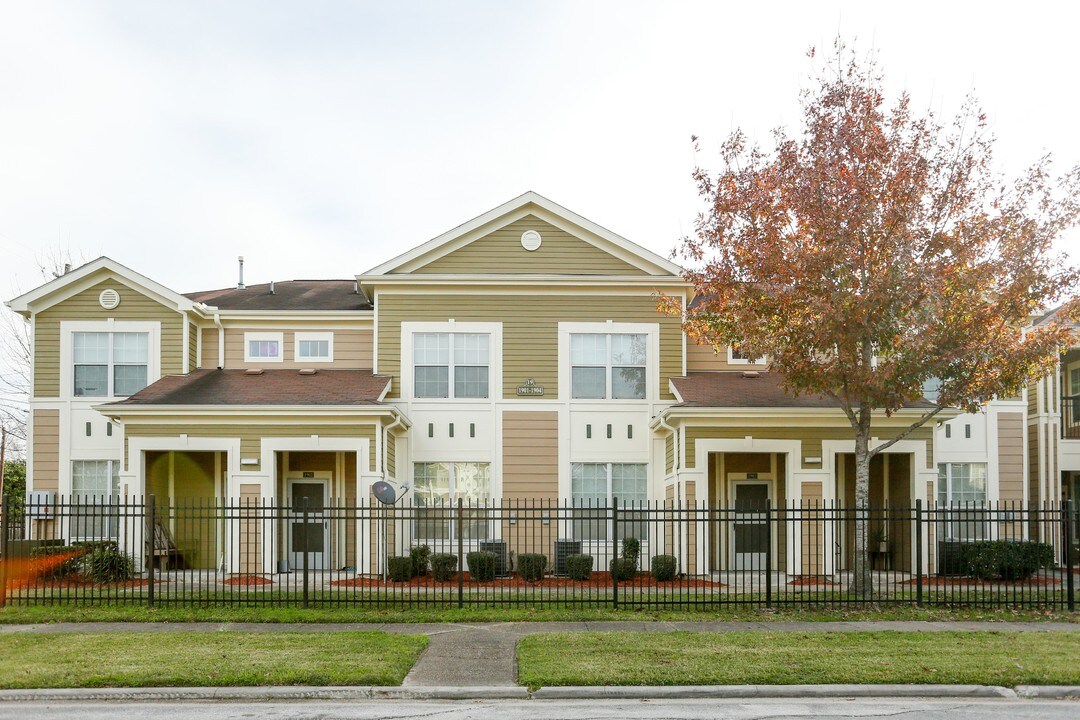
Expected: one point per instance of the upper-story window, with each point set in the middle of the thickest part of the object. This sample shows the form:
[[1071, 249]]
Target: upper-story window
[[314, 347], [263, 347], [738, 356], [439, 358], [608, 365], [110, 364]]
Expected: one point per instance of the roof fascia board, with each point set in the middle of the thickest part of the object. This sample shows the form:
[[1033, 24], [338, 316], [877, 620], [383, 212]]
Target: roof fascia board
[[782, 414], [518, 280], [167, 413], [296, 314]]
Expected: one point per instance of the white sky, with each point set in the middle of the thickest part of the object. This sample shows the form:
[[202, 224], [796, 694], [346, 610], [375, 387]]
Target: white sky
[[319, 139]]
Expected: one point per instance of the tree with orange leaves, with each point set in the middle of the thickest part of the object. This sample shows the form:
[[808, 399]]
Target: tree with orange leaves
[[877, 250]]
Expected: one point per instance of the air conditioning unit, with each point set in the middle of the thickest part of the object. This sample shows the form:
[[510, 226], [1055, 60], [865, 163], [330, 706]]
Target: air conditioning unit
[[563, 550], [499, 548]]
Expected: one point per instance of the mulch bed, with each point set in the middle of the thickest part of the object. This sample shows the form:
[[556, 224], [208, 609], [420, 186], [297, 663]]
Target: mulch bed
[[811, 581], [78, 581], [939, 581], [598, 580], [248, 580]]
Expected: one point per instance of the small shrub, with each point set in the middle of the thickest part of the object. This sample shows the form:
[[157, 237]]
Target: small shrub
[[420, 555], [443, 566], [623, 569], [482, 565], [1008, 560], [663, 567], [531, 566], [106, 564], [579, 567], [400, 568], [631, 549]]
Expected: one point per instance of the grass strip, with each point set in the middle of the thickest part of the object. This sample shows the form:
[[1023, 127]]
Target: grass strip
[[85, 660], [680, 658]]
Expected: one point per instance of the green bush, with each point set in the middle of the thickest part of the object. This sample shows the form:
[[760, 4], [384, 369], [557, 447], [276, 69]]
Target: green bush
[[631, 549], [400, 568], [106, 564], [420, 555], [664, 567], [531, 566], [482, 565], [579, 567], [624, 569], [1008, 560], [443, 566]]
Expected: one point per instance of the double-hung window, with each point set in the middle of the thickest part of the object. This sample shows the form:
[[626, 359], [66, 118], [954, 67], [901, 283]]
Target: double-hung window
[[436, 490], [110, 364], [95, 488], [962, 497], [608, 366], [594, 487], [451, 365]]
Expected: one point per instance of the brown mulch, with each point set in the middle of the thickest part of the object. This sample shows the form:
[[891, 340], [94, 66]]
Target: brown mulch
[[939, 581], [810, 581], [247, 580], [598, 580], [78, 581]]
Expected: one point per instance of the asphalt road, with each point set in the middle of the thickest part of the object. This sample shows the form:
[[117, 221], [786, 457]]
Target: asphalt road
[[555, 710]]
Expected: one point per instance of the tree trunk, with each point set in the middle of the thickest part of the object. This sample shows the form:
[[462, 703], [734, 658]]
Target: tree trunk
[[861, 584]]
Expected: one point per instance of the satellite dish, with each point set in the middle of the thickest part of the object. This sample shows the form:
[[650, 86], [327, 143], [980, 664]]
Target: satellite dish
[[385, 492]]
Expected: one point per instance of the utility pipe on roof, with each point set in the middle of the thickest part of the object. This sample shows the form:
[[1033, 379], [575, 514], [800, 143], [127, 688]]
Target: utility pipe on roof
[[220, 341]]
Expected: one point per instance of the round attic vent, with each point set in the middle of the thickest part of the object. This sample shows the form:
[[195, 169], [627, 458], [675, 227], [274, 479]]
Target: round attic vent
[[109, 298], [530, 240]]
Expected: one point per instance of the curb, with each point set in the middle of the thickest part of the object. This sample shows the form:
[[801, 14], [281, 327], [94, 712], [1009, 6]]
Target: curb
[[257, 694], [1048, 691], [773, 691]]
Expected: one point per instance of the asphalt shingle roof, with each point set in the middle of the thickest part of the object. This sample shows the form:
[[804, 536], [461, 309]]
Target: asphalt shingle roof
[[271, 387], [288, 295]]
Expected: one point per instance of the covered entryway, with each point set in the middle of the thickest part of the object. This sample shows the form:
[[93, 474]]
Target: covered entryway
[[742, 488], [890, 529]]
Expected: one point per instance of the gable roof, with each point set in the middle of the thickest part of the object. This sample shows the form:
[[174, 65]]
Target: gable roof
[[545, 209], [288, 295]]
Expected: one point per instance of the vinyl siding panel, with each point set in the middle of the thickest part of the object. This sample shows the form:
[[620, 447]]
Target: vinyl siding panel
[[391, 454], [353, 349], [193, 347], [85, 306], [530, 330], [560, 253], [530, 455], [702, 358], [209, 347], [46, 450], [1011, 457]]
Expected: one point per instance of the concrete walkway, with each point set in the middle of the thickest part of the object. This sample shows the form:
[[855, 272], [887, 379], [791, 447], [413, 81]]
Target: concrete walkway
[[485, 654]]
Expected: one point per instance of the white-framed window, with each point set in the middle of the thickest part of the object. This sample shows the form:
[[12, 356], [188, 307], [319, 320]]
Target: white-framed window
[[109, 364], [316, 347], [95, 491], [961, 494], [437, 486], [451, 365], [594, 487], [736, 356], [609, 366], [263, 347]]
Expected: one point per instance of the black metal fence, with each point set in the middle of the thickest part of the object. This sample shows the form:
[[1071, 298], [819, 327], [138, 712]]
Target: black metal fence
[[212, 552]]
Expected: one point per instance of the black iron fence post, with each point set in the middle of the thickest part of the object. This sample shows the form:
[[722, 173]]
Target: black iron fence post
[[614, 564], [151, 551], [307, 555], [459, 524], [768, 553], [1070, 580], [918, 553], [5, 529]]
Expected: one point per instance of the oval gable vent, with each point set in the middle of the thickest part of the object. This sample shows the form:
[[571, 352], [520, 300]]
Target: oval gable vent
[[530, 240], [109, 298]]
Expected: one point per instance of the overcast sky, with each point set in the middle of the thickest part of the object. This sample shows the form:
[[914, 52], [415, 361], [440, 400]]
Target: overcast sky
[[319, 139]]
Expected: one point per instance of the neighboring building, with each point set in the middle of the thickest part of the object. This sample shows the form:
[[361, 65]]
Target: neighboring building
[[519, 356]]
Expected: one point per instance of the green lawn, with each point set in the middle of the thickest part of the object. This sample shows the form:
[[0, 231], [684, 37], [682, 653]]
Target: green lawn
[[627, 658], [206, 659]]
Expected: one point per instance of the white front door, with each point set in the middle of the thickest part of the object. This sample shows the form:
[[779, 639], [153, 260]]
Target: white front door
[[749, 527], [309, 525]]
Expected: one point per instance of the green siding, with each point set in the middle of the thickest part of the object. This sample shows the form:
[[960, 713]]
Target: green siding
[[530, 330]]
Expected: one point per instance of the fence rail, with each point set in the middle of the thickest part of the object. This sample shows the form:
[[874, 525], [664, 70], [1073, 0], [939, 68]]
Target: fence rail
[[248, 551]]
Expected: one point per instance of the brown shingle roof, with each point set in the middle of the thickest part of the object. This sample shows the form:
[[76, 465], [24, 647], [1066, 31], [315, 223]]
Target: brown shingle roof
[[734, 390], [288, 295], [272, 387]]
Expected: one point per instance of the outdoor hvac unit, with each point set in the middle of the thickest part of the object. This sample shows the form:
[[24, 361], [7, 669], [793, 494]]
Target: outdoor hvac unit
[[564, 549], [499, 548], [949, 558]]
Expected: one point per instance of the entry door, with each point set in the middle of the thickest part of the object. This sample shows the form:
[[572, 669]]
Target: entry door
[[310, 532], [749, 530]]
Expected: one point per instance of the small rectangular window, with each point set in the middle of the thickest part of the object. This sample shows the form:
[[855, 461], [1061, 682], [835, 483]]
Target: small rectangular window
[[263, 347], [314, 347]]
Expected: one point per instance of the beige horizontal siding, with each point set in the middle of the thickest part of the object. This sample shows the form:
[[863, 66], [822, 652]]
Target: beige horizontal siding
[[560, 253], [353, 349], [530, 455], [1011, 457], [193, 346], [85, 306], [530, 330], [702, 358], [391, 454], [209, 347], [46, 450]]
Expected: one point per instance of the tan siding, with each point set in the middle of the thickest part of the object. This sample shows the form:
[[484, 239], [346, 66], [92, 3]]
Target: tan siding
[[209, 347], [530, 455], [46, 450], [1011, 457], [352, 349], [85, 306], [250, 529], [530, 330], [669, 452], [702, 358], [560, 253], [1033, 466], [812, 528], [391, 454], [811, 437], [193, 347]]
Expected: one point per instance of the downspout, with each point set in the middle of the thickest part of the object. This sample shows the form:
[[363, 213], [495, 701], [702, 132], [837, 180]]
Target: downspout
[[220, 341], [385, 446]]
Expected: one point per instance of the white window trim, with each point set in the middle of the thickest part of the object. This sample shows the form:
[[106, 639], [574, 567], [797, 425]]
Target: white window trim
[[652, 358], [262, 337], [68, 328], [732, 360], [493, 330], [312, 336]]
